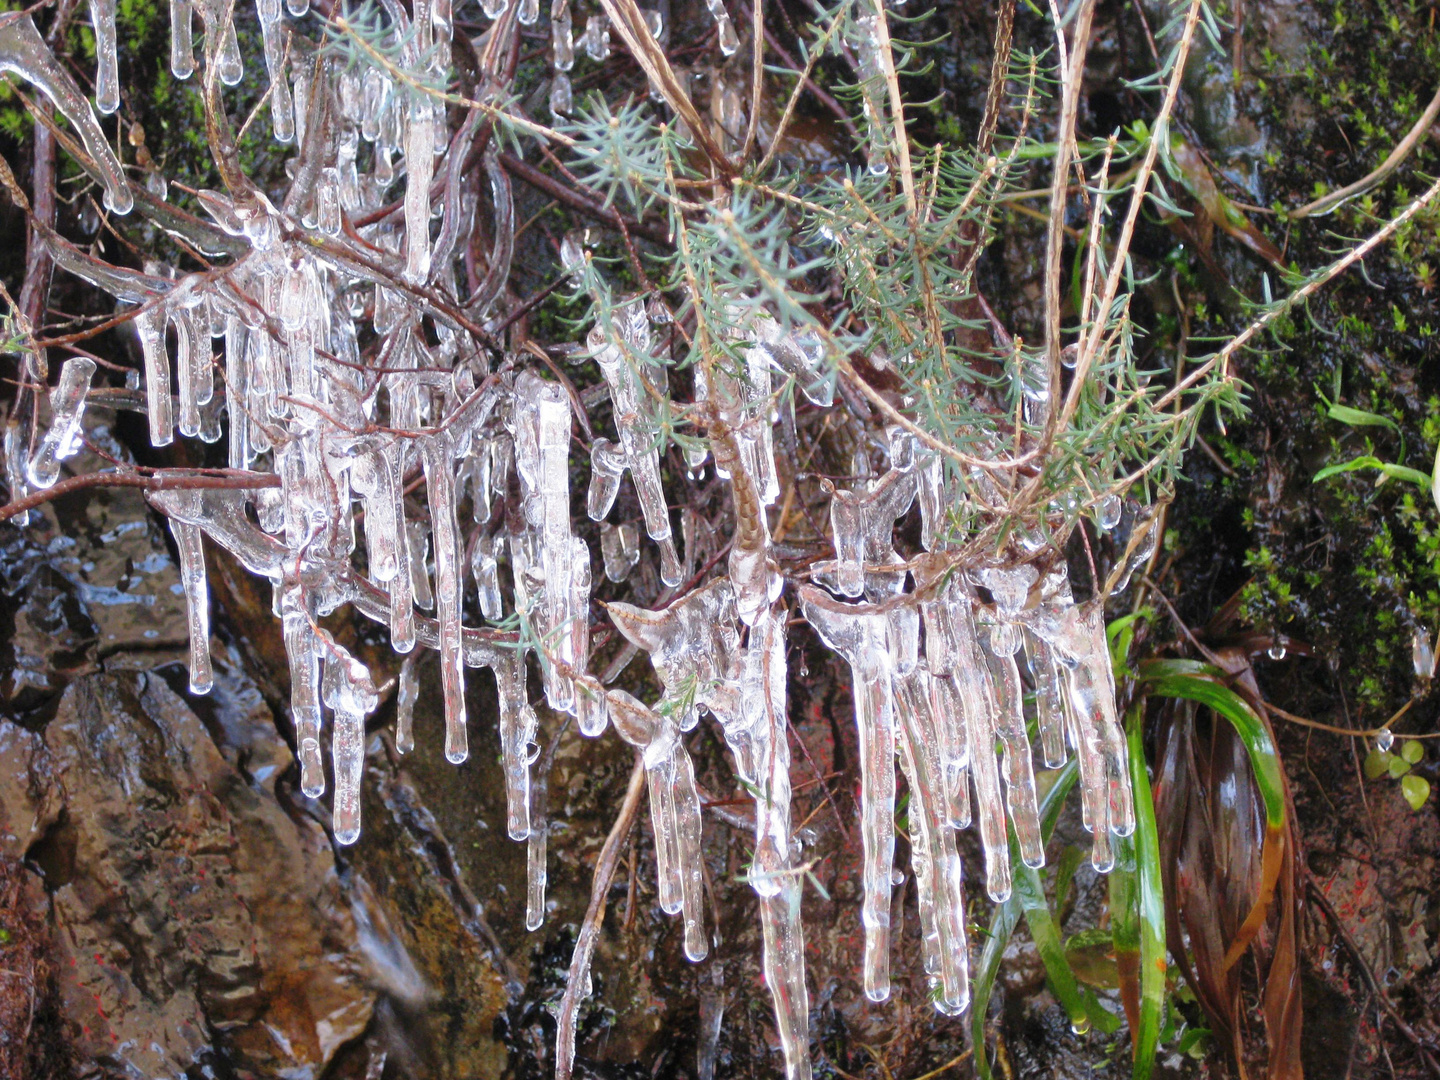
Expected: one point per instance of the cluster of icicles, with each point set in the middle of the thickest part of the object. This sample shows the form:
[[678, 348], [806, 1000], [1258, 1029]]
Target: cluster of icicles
[[937, 669]]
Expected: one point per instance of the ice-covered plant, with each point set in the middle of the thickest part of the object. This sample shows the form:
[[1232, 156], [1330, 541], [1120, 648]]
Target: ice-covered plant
[[392, 436]]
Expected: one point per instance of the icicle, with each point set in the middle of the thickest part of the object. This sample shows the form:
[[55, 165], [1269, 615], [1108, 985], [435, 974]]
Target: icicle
[[182, 46], [438, 455], [562, 39], [282, 107], [1422, 654], [485, 566], [518, 725], [1147, 527], [638, 451], [562, 99], [237, 389], [535, 875], [187, 353], [350, 693], [420, 170], [933, 855], [23, 52], [1010, 588], [592, 713], [858, 632], [867, 50], [494, 8], [107, 63], [728, 41], [407, 693], [15, 468], [189, 544], [1049, 709], [863, 523], [620, 546], [302, 647], [1104, 768], [67, 407], [597, 38], [529, 12], [417, 536], [693, 644], [674, 813]]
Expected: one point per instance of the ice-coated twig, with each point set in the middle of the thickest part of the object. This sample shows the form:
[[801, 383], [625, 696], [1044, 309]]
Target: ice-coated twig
[[350, 692], [23, 52], [67, 407], [674, 813], [621, 360], [189, 544], [860, 633], [693, 645]]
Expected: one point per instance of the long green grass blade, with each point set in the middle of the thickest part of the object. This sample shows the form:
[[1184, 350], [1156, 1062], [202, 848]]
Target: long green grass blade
[[1150, 897], [1201, 682], [1003, 922], [1030, 892], [1125, 929]]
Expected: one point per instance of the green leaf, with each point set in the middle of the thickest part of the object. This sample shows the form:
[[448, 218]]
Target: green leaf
[[1359, 418], [1369, 461], [1397, 767], [1416, 790], [1412, 750], [1435, 479], [1029, 891], [1151, 896], [1204, 684], [1377, 764], [1120, 632]]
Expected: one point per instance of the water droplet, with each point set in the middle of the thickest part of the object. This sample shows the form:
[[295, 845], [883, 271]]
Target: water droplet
[[1081, 1026], [1276, 651], [1108, 512], [1423, 653], [897, 877], [1384, 740]]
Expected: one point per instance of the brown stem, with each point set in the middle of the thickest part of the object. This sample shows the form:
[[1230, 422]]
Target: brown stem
[[163, 481], [590, 929], [528, 174]]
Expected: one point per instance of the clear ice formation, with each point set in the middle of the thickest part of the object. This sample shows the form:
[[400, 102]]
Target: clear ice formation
[[23, 52], [365, 461], [63, 439], [634, 377], [674, 812]]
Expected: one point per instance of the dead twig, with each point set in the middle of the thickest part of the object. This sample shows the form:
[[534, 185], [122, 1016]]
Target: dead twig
[[168, 480], [1326, 203], [578, 976]]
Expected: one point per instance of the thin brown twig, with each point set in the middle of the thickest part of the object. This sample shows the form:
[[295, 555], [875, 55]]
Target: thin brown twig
[[590, 928], [166, 480], [1412, 139]]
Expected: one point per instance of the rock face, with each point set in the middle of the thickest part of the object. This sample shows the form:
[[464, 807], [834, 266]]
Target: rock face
[[171, 905], [188, 907]]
